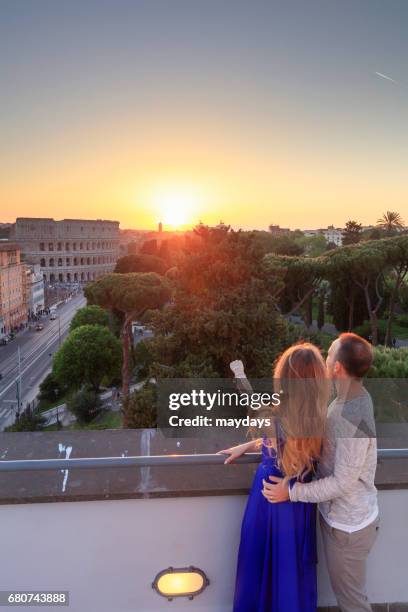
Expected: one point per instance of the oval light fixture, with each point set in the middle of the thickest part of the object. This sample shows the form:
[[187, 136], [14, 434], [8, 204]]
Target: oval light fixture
[[180, 582]]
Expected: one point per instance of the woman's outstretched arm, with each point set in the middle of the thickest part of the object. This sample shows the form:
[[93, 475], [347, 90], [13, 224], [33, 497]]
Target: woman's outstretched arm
[[237, 451], [241, 380]]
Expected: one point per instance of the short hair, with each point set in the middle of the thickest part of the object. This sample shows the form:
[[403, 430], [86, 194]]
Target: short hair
[[355, 354]]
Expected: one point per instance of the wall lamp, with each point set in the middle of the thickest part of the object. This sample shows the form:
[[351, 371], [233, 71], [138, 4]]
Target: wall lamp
[[180, 582]]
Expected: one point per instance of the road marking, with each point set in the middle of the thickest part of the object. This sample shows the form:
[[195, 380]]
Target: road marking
[[46, 348], [64, 323]]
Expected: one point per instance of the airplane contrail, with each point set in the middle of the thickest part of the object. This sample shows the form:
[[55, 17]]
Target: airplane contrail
[[387, 78]]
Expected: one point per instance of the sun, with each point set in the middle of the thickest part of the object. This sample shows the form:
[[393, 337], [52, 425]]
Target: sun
[[176, 205], [174, 217]]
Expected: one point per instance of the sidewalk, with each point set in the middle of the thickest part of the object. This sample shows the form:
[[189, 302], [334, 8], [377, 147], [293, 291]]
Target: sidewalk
[[108, 403]]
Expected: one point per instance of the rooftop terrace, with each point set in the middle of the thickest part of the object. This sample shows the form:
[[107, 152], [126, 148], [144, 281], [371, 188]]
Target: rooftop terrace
[[158, 510]]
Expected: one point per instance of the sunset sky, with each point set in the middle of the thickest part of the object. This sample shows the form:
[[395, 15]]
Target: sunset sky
[[252, 112]]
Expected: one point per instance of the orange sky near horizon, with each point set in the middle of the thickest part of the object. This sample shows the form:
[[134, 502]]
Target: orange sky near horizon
[[251, 113], [185, 175]]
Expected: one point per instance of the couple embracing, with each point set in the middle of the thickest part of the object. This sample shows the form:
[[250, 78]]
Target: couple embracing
[[276, 570]]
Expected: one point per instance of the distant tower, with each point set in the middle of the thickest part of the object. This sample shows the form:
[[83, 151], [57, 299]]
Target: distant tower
[[160, 227]]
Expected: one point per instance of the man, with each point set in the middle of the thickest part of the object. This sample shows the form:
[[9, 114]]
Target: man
[[345, 487]]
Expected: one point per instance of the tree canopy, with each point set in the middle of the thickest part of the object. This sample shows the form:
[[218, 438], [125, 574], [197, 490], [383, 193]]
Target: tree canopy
[[373, 270], [223, 308], [131, 295], [352, 233], [90, 315], [140, 263], [390, 222], [88, 355]]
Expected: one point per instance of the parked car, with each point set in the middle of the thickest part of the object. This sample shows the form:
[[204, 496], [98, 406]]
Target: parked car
[[53, 316], [39, 327], [3, 341]]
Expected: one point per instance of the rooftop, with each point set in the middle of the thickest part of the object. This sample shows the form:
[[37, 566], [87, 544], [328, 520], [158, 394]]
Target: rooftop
[[33, 219], [6, 246], [130, 523]]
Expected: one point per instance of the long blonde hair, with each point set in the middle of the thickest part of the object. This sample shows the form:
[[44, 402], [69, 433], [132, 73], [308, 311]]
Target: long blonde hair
[[301, 379]]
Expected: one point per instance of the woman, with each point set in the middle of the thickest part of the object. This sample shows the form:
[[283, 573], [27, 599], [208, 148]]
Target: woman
[[276, 569]]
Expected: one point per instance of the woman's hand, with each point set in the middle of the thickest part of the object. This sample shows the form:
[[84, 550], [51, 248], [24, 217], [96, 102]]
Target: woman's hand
[[236, 451], [237, 368]]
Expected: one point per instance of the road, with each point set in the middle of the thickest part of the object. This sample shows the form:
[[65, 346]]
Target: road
[[36, 350]]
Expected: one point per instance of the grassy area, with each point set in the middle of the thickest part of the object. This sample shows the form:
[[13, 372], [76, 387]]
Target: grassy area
[[398, 331], [46, 404], [108, 419]]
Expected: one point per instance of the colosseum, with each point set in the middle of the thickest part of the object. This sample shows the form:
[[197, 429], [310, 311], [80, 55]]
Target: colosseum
[[68, 251]]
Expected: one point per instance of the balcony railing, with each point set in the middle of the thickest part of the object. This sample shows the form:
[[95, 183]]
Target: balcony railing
[[18, 465]]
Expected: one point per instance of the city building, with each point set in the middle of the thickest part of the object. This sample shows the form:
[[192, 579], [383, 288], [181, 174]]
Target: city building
[[34, 290], [331, 234], [13, 311], [68, 251], [5, 229], [277, 230]]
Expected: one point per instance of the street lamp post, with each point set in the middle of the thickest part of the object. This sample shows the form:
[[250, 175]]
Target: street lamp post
[[18, 398], [18, 382], [56, 399]]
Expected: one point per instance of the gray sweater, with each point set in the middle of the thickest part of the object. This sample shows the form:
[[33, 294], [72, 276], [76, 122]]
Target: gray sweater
[[345, 487]]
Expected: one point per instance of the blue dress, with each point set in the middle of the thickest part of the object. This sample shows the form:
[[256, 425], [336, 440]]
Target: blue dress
[[277, 558]]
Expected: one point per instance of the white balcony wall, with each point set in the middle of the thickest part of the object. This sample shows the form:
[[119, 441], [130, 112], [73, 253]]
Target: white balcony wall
[[107, 553]]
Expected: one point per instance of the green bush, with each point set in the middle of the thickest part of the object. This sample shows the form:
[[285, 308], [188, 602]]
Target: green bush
[[389, 363], [50, 389], [388, 384], [364, 331], [300, 333], [85, 405], [402, 320], [29, 420], [140, 408]]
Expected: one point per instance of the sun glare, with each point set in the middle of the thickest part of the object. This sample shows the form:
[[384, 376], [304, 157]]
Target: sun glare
[[176, 206]]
